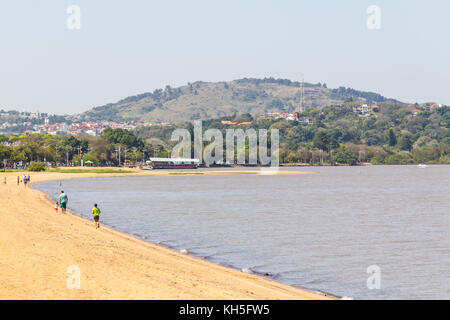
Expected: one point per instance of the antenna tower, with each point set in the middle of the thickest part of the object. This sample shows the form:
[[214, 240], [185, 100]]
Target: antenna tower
[[302, 95]]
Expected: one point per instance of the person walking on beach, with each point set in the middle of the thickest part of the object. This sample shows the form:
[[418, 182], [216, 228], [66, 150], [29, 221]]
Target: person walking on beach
[[25, 180], [96, 213], [18, 180], [63, 198], [28, 179]]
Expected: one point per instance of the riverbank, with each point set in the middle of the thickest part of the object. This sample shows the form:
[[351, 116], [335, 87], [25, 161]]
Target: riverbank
[[39, 247]]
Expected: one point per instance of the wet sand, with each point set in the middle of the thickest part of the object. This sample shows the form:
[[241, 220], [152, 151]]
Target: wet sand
[[38, 246]]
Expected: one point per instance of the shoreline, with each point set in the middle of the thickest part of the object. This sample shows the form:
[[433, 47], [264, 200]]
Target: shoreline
[[113, 264]]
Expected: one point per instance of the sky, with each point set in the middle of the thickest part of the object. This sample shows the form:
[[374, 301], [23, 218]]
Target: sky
[[124, 48]]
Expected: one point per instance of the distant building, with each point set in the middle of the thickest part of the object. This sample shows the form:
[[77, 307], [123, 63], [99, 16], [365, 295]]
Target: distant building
[[306, 120], [435, 106], [361, 109], [374, 108], [289, 116], [92, 133], [280, 115], [231, 123]]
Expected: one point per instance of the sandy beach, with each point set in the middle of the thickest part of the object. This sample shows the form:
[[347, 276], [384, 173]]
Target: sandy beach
[[37, 246]]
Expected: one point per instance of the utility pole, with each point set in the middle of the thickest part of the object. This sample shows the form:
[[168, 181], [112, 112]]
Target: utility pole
[[67, 156], [134, 149], [56, 154], [45, 153], [118, 151], [80, 153], [331, 154]]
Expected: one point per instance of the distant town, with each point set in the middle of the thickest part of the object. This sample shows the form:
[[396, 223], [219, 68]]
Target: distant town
[[15, 122], [36, 122]]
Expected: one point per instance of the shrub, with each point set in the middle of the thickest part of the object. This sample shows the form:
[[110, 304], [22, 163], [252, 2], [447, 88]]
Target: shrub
[[379, 157], [346, 156], [398, 159], [37, 166]]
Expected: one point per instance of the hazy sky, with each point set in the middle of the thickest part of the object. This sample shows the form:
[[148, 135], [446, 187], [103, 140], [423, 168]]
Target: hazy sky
[[129, 47]]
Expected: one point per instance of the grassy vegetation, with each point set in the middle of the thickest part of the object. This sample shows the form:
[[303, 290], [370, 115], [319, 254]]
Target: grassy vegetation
[[90, 171], [211, 100]]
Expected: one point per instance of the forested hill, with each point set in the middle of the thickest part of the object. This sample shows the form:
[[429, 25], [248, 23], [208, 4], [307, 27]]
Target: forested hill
[[211, 100]]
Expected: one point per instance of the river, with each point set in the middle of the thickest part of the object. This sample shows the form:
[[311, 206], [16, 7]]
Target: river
[[321, 231]]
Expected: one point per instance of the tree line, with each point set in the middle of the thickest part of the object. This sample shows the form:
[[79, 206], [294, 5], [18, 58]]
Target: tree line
[[393, 135], [112, 146]]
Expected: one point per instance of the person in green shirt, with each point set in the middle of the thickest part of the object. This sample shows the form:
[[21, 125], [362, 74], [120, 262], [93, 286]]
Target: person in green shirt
[[96, 213], [63, 198]]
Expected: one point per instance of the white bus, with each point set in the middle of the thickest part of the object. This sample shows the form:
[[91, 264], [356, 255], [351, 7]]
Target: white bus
[[173, 163]]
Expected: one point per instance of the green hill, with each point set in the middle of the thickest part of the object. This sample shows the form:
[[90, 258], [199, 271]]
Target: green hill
[[210, 100]]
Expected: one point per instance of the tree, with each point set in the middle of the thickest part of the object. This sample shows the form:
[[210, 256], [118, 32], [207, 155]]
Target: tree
[[391, 137], [100, 151], [405, 143], [305, 155], [246, 117], [122, 136], [318, 156], [321, 140], [398, 159], [292, 157], [378, 158], [426, 154], [5, 153], [345, 156], [37, 166]]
